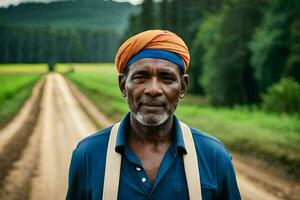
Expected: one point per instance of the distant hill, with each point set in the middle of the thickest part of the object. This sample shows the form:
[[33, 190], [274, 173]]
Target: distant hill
[[80, 13]]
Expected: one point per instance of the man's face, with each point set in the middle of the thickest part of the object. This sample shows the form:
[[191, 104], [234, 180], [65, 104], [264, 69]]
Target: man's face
[[153, 88]]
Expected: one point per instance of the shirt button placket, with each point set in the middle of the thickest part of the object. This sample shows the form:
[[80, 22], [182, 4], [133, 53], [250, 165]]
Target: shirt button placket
[[137, 168]]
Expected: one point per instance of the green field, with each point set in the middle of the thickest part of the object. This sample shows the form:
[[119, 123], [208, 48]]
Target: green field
[[271, 137], [23, 68], [99, 83], [16, 87]]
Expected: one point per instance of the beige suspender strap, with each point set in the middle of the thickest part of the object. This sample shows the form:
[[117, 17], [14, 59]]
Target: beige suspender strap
[[190, 162], [112, 167]]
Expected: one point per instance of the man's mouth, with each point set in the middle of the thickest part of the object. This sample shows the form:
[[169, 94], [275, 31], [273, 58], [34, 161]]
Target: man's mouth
[[152, 104]]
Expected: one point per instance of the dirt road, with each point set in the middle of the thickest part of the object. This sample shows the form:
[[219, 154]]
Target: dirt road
[[38, 167]]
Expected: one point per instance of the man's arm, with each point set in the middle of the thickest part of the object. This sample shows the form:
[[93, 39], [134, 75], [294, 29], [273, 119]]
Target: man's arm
[[76, 182], [230, 189]]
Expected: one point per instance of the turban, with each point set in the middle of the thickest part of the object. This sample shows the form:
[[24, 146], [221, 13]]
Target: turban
[[152, 39]]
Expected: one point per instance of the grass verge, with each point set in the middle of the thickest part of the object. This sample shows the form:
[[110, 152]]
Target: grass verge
[[14, 90]]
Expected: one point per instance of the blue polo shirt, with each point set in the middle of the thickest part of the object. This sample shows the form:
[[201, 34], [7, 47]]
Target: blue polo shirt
[[87, 169]]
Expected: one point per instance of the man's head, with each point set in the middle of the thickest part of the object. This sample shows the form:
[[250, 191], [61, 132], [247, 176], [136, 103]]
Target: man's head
[[152, 67]]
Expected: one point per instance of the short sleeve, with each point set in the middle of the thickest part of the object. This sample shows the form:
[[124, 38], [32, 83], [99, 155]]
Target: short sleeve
[[229, 186], [75, 184]]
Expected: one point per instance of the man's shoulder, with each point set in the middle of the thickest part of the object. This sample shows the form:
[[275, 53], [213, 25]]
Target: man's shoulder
[[97, 140], [208, 143]]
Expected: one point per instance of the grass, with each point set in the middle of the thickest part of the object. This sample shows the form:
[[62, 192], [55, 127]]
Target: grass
[[101, 89], [16, 83], [86, 68], [271, 137], [14, 90], [23, 68]]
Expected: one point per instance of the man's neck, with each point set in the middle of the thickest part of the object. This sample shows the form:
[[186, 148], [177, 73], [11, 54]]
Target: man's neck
[[153, 135]]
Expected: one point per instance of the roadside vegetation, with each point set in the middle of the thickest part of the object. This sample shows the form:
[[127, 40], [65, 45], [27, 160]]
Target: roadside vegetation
[[15, 88], [23, 68], [249, 131]]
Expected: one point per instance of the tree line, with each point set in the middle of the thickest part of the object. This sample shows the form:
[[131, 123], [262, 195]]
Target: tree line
[[40, 44], [239, 48]]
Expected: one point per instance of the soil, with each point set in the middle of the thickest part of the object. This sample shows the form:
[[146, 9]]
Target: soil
[[35, 154]]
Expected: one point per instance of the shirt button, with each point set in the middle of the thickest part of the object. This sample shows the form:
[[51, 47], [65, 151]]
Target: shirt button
[[138, 169], [143, 180]]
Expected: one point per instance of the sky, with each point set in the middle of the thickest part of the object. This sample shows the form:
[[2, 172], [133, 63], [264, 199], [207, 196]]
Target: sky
[[6, 3]]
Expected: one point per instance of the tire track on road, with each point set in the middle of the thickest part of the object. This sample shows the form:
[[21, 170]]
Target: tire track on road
[[64, 124]]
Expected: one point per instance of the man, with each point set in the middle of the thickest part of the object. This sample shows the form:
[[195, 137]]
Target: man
[[150, 154]]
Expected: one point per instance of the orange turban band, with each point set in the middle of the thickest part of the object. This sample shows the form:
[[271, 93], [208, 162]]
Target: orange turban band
[[152, 39]]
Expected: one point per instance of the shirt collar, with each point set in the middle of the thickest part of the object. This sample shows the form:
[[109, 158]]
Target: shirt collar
[[124, 126]]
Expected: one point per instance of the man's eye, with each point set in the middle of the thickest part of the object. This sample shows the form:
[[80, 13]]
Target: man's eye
[[139, 77], [168, 78]]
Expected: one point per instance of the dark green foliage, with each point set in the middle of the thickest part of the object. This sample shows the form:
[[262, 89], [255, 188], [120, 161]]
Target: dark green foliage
[[206, 39], [44, 44], [209, 6], [80, 13], [67, 31], [293, 61], [147, 14], [195, 69], [134, 27], [165, 15], [51, 66], [195, 12], [184, 17], [283, 97], [175, 16], [270, 46], [228, 75]]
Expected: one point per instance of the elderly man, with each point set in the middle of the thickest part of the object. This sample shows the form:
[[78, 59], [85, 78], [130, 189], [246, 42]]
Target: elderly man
[[150, 154]]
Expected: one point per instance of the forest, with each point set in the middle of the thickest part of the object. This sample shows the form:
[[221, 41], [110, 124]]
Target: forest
[[239, 48], [63, 31]]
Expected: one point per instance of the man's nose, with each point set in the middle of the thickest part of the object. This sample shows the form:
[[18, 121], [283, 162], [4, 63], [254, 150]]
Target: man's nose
[[153, 88]]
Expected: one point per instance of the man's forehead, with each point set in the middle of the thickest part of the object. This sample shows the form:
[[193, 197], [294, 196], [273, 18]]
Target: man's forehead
[[146, 64]]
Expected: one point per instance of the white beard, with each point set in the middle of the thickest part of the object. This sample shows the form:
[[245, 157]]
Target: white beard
[[160, 119]]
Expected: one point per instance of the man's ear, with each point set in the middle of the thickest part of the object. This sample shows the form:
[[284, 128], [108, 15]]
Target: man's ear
[[122, 81], [184, 85]]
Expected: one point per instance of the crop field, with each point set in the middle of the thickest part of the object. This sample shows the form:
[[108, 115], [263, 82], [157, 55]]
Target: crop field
[[98, 81], [272, 137], [15, 88], [23, 68], [86, 68]]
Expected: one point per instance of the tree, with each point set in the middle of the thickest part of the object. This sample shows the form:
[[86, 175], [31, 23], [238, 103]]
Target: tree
[[228, 77], [147, 14], [293, 61], [283, 96], [270, 45], [204, 50], [165, 15], [196, 12], [52, 44]]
